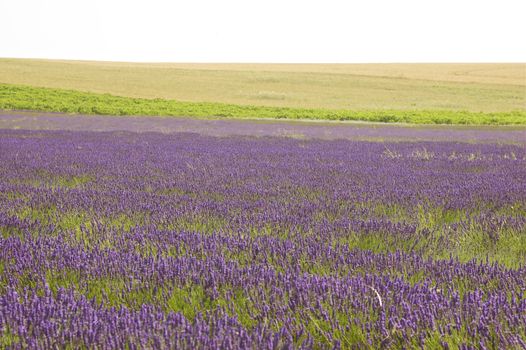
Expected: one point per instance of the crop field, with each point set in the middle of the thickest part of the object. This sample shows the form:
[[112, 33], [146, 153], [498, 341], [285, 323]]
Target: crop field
[[410, 93], [460, 87], [247, 235]]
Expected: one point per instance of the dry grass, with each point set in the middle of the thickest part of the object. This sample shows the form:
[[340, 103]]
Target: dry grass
[[486, 73], [470, 87]]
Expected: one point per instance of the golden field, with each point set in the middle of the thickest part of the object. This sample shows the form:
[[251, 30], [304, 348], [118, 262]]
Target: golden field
[[462, 87]]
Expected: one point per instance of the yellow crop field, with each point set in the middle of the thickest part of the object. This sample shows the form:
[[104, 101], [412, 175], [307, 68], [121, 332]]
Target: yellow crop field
[[452, 87]]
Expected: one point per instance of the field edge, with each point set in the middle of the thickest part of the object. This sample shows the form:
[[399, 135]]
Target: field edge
[[42, 99]]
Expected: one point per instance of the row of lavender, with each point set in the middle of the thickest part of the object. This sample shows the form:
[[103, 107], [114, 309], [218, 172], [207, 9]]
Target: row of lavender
[[113, 240], [229, 127]]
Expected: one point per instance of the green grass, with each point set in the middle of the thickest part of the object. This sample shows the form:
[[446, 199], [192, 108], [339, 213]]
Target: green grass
[[8, 338], [14, 97]]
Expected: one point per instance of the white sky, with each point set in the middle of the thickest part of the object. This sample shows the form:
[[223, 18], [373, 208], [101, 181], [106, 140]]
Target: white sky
[[266, 30]]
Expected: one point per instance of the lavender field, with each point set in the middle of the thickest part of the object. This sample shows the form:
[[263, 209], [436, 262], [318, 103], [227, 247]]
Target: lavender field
[[403, 238]]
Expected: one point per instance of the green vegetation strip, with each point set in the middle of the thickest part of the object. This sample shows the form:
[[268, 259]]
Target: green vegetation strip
[[15, 97]]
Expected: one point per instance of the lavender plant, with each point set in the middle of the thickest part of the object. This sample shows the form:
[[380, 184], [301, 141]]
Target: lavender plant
[[147, 240]]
